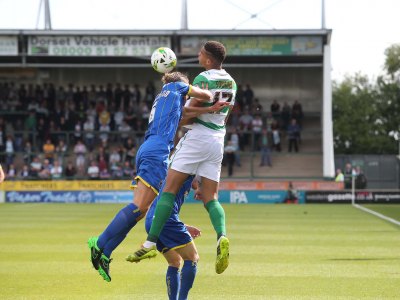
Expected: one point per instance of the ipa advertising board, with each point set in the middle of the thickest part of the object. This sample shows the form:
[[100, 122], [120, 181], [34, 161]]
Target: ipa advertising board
[[77, 45]]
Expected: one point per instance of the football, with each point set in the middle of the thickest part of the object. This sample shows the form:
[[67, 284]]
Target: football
[[163, 60]]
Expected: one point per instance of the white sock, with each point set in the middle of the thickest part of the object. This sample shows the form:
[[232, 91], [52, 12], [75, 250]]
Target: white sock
[[148, 244]]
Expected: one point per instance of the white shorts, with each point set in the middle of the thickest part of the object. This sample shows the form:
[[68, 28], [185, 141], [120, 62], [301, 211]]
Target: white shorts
[[199, 154]]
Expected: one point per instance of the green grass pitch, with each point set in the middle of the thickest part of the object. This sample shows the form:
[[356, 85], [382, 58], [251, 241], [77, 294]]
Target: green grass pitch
[[277, 252]]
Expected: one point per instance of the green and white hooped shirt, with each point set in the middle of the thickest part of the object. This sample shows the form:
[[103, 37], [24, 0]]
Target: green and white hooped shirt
[[223, 88]]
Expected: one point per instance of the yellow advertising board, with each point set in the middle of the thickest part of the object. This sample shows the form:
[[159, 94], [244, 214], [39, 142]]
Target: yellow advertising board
[[123, 185], [66, 185]]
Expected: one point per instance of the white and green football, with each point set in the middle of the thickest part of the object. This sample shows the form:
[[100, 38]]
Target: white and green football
[[163, 60]]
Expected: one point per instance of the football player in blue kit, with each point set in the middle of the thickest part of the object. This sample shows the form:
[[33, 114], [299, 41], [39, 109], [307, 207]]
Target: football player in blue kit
[[151, 163], [176, 244]]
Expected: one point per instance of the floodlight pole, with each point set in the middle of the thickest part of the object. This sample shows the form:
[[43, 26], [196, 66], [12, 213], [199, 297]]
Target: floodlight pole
[[47, 15], [184, 16], [323, 25]]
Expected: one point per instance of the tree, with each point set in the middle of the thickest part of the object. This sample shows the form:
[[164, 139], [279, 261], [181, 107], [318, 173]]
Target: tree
[[392, 61], [367, 115]]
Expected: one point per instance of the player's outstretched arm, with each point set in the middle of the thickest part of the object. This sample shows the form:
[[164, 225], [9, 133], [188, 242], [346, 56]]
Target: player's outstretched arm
[[191, 112], [200, 94], [2, 176]]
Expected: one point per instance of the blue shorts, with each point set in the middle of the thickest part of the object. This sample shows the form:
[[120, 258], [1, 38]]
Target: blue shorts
[[174, 235], [152, 163]]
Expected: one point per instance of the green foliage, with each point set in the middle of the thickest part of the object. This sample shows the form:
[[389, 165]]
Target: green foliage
[[392, 61], [366, 114]]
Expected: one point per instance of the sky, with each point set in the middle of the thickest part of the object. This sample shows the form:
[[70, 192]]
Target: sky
[[361, 29]]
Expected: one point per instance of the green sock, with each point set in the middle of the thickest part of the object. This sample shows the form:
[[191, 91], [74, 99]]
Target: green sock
[[217, 217], [163, 212]]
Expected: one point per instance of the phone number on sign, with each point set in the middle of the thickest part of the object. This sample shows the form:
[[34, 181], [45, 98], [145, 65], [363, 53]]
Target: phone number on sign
[[96, 51]]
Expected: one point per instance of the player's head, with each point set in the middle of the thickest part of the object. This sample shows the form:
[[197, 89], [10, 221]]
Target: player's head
[[212, 55], [174, 77]]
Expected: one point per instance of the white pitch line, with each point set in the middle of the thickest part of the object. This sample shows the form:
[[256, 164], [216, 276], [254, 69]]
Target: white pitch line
[[377, 214]]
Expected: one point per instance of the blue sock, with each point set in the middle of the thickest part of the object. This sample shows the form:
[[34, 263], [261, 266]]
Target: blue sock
[[116, 231], [114, 242], [188, 275], [172, 280]]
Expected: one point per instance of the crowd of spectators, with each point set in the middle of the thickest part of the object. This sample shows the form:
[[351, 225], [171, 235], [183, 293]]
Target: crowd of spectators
[[94, 131], [250, 127]]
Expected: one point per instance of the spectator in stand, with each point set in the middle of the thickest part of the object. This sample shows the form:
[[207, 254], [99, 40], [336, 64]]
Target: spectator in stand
[[92, 93], [42, 132], [118, 117], [10, 153], [80, 152], [91, 113], [93, 170], [127, 97], [115, 158], [35, 167], [102, 151], [245, 124], [150, 94], [137, 94], [56, 170], [285, 115], [61, 148], [234, 116], [118, 96], [256, 125], [24, 174], [124, 130], [248, 96], [339, 176], [33, 105], [104, 115], [239, 99], [292, 195], [45, 173], [297, 112], [265, 149], [349, 172], [30, 122], [276, 110], [145, 112], [11, 172], [78, 131], [104, 174], [276, 138], [235, 139], [60, 97], [257, 107], [293, 136], [18, 135], [42, 111], [109, 92], [229, 155], [88, 128], [361, 179], [127, 170], [70, 170], [104, 130], [116, 171], [85, 99], [49, 150], [130, 151]]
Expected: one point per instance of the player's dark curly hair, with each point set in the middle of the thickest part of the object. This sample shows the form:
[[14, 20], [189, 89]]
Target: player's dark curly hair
[[216, 50], [174, 77]]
